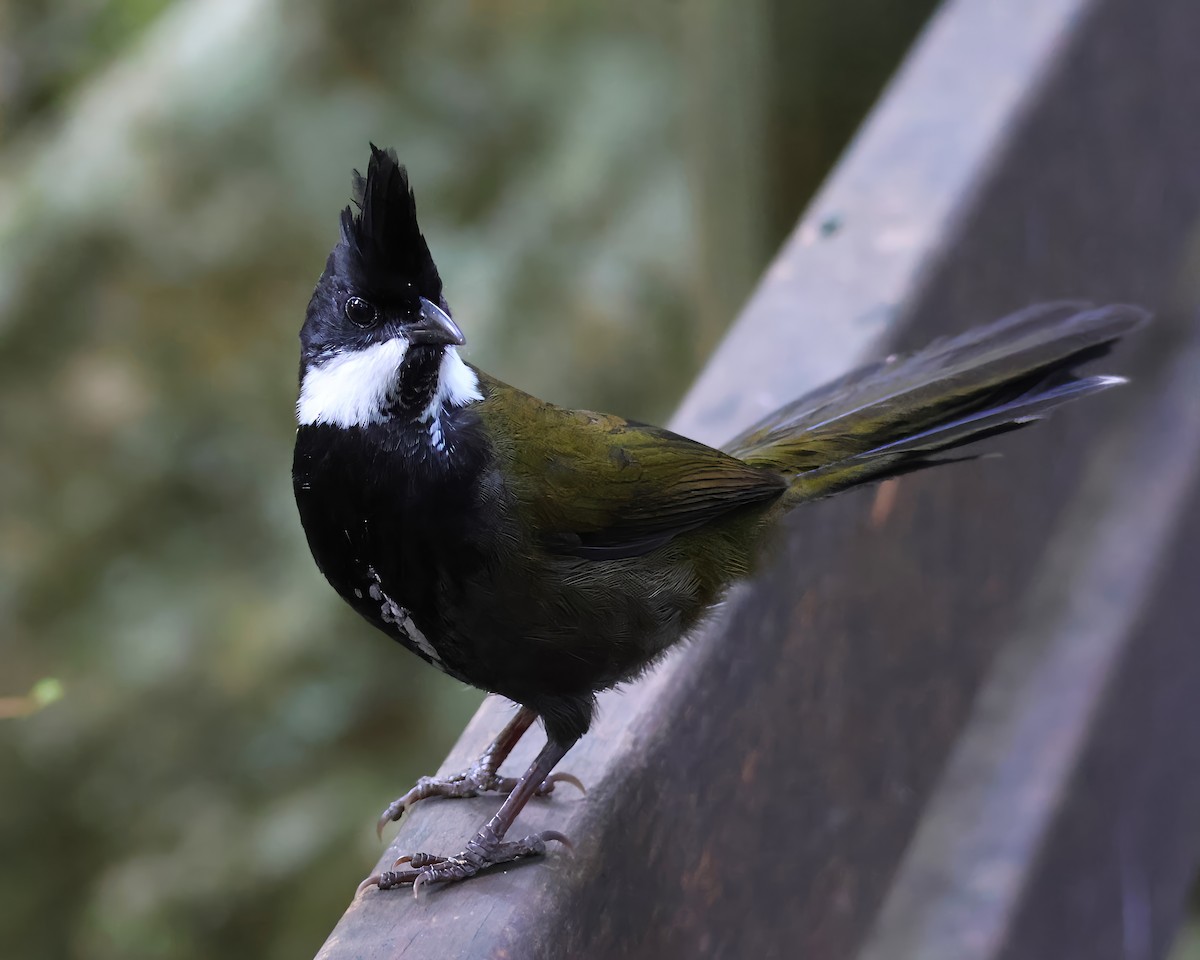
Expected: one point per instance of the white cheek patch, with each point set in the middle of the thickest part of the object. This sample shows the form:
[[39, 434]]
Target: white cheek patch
[[351, 389]]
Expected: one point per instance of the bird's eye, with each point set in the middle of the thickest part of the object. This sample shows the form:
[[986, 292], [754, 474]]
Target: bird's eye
[[360, 313]]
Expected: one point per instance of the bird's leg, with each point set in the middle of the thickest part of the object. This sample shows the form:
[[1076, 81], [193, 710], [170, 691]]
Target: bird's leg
[[480, 777], [488, 847]]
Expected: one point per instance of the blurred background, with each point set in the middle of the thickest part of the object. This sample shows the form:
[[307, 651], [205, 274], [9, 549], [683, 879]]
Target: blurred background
[[195, 736]]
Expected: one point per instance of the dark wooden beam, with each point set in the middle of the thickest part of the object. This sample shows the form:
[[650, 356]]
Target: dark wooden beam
[[954, 717]]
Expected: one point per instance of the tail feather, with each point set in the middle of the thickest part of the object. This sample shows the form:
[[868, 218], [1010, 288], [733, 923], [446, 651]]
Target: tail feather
[[896, 416], [987, 423]]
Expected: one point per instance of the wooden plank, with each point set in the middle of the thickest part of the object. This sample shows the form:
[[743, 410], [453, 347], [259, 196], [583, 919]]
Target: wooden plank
[[1064, 825], [756, 794]]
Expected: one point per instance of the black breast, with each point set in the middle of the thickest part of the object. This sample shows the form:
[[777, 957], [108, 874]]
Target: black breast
[[395, 522]]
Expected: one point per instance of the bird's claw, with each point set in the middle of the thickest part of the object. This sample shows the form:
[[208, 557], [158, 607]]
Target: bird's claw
[[483, 851], [418, 860], [547, 786], [471, 782]]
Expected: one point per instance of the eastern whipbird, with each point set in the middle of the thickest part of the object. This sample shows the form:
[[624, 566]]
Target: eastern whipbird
[[547, 554]]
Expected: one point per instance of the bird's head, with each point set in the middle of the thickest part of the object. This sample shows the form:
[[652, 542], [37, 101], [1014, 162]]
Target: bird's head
[[378, 342]]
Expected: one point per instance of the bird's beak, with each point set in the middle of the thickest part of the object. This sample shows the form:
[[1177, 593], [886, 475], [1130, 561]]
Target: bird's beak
[[434, 326]]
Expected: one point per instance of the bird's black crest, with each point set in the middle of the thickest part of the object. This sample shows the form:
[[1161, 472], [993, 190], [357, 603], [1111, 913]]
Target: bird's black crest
[[386, 249]]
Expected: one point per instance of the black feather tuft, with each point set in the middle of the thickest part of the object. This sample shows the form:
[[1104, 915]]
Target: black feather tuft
[[386, 253]]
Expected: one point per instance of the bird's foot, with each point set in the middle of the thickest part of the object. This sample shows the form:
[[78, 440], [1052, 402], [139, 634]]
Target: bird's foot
[[483, 851], [479, 778]]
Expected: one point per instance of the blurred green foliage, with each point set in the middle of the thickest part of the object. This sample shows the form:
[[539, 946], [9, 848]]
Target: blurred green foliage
[[169, 188], [170, 178]]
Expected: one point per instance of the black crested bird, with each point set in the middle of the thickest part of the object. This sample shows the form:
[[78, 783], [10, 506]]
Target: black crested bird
[[548, 554]]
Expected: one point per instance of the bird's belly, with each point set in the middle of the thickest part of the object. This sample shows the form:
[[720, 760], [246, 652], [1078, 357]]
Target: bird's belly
[[526, 628], [543, 625], [464, 588]]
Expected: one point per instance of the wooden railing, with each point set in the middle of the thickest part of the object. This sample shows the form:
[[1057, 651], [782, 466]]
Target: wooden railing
[[957, 716]]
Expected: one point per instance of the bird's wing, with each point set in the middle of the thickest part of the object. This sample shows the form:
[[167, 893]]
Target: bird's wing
[[596, 486]]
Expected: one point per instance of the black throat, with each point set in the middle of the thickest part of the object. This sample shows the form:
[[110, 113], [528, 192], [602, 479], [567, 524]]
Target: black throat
[[416, 383], [395, 515]]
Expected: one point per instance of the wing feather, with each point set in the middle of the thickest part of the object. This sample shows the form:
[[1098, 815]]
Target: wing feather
[[599, 487]]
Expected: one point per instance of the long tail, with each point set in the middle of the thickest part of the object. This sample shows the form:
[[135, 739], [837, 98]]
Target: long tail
[[903, 413]]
